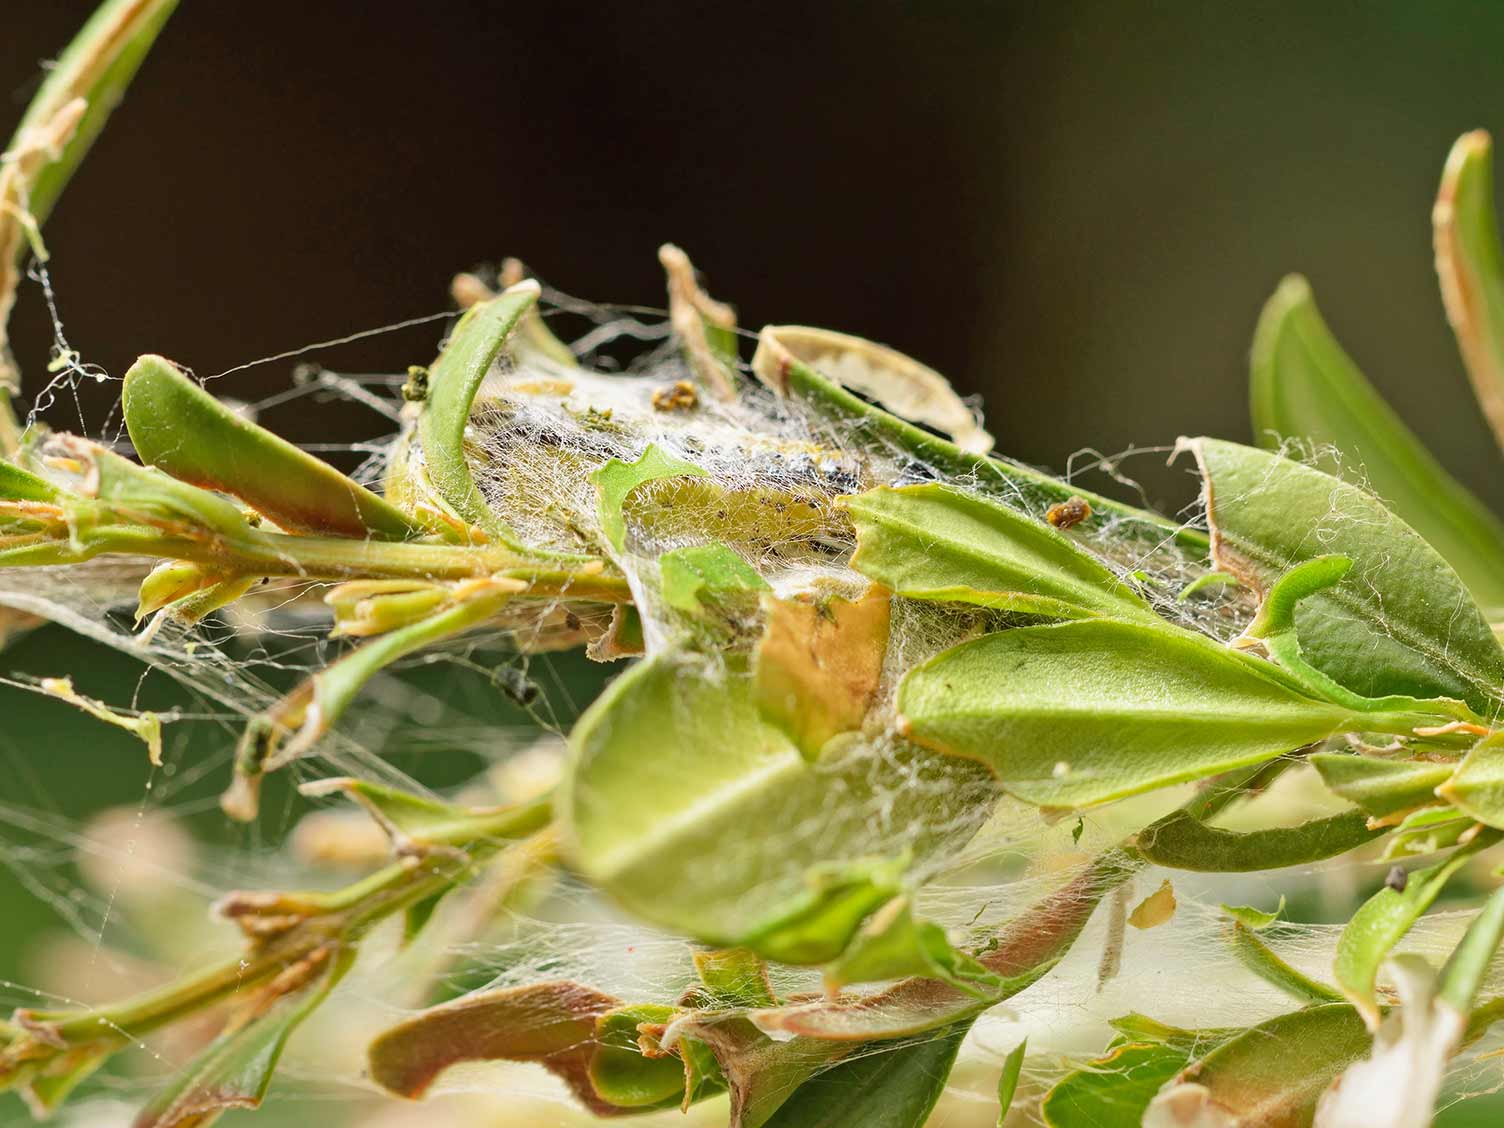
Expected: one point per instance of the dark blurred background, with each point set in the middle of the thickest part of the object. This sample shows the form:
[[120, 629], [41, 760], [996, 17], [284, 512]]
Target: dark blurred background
[[1075, 210]]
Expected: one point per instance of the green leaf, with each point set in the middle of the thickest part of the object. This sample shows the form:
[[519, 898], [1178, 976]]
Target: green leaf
[[1477, 786], [1007, 1083], [1381, 787], [1470, 263], [1184, 842], [178, 427], [1269, 1076], [453, 381], [416, 822], [877, 1087], [236, 1069], [1250, 917], [894, 943], [705, 573], [1401, 622], [621, 1074], [1090, 711], [1384, 919], [617, 479], [1427, 831], [752, 846], [22, 485], [1467, 966], [734, 977], [1304, 386], [1114, 1090], [937, 542], [1260, 959]]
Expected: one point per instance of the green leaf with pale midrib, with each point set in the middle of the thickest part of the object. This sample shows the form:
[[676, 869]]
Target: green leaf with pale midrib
[[1125, 707], [1401, 622], [936, 542], [1304, 386]]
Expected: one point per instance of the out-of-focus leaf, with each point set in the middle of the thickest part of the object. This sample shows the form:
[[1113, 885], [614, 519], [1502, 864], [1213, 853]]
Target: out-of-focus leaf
[[1269, 1076], [416, 822], [894, 943], [819, 664], [1468, 964], [1477, 786], [1401, 622], [453, 381], [1007, 1082], [1427, 831], [649, 817], [1470, 263], [708, 572], [552, 1024], [1260, 959], [22, 485], [1250, 917], [1304, 386], [876, 1087], [937, 542], [1385, 917], [1381, 787], [1113, 1091], [1090, 711], [1184, 842], [236, 1069], [616, 479], [64, 117], [178, 427]]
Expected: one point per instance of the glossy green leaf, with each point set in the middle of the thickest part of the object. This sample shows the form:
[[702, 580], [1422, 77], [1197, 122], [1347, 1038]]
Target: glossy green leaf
[[178, 427], [1007, 1082], [1401, 622], [1269, 1076], [1381, 787], [937, 542], [1262, 960], [453, 382], [705, 573], [236, 1069], [617, 479], [750, 846], [876, 1087], [1470, 264], [1384, 919], [1113, 1091], [1477, 786], [1094, 710], [1184, 842], [895, 943], [1304, 386]]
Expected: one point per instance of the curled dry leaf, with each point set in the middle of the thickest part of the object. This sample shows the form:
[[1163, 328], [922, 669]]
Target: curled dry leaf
[[1155, 909]]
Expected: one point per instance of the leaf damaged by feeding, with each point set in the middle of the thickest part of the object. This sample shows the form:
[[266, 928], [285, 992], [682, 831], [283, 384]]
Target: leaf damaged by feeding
[[1155, 909], [145, 726], [819, 664], [617, 479]]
